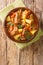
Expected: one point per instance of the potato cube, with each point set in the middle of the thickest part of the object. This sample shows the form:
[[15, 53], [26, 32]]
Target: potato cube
[[33, 32], [28, 21], [8, 18], [20, 30], [17, 36]]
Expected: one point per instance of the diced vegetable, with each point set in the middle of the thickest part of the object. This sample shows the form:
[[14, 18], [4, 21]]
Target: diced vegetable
[[8, 18], [28, 21], [28, 27], [23, 38], [16, 18], [10, 23], [33, 25], [12, 16], [10, 28], [23, 23], [33, 31], [19, 13], [23, 20], [12, 19], [17, 37], [24, 29], [27, 35], [24, 16], [19, 26], [31, 16], [20, 30], [14, 30], [12, 33]]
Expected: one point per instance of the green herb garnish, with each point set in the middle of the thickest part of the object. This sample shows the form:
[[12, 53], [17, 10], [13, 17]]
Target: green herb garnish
[[19, 38], [27, 34], [10, 23], [19, 26]]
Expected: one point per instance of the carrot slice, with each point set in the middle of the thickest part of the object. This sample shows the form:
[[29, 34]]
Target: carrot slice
[[12, 16]]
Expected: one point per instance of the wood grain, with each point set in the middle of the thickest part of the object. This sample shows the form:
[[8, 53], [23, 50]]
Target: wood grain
[[2, 3], [38, 46], [28, 3], [2, 46], [9, 53], [26, 56], [38, 54], [12, 53], [39, 4], [3, 60]]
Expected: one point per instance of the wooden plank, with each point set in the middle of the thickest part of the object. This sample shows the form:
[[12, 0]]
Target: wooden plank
[[26, 55], [2, 46], [39, 4], [3, 60], [2, 4], [8, 2], [28, 3], [12, 1], [12, 50], [38, 46], [12, 53], [38, 52]]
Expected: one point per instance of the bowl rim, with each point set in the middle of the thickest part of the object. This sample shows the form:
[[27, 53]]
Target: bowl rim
[[8, 33]]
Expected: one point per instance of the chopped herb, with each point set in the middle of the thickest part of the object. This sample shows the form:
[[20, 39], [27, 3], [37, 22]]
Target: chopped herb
[[27, 34], [19, 26], [10, 23], [32, 25], [19, 38]]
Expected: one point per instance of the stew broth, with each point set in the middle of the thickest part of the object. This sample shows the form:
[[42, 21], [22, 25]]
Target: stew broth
[[21, 24]]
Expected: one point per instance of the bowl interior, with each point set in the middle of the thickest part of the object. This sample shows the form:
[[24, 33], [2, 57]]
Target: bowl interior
[[7, 33]]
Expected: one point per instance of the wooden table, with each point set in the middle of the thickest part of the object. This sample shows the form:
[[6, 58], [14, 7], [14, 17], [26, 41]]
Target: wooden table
[[9, 53]]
